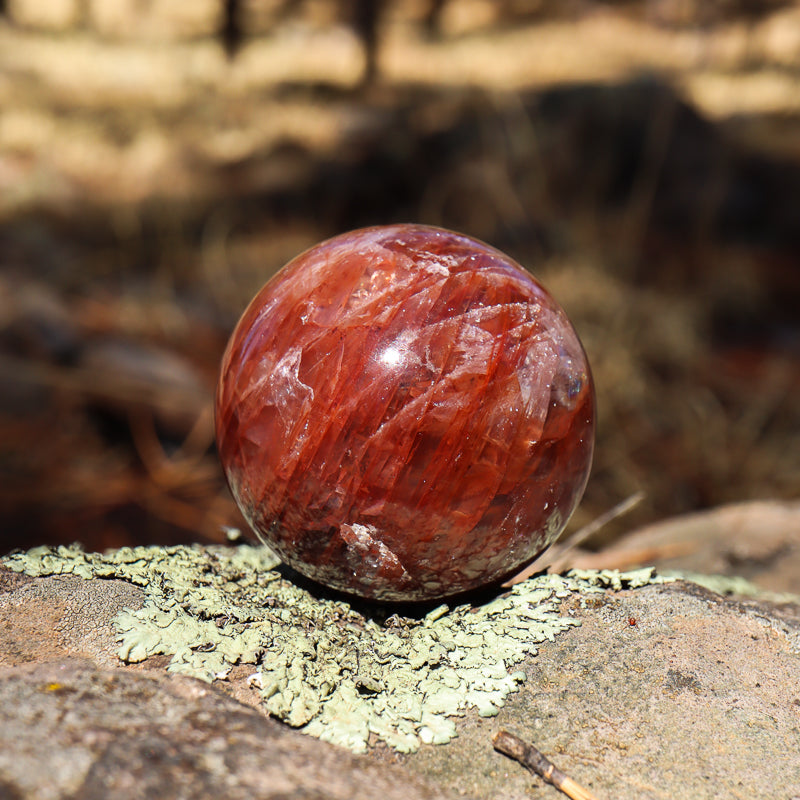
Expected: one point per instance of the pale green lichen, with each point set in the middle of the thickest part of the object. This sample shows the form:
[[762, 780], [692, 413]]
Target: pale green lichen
[[319, 664]]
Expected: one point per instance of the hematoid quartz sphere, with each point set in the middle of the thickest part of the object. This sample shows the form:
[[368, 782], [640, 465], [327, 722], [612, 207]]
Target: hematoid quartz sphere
[[404, 413]]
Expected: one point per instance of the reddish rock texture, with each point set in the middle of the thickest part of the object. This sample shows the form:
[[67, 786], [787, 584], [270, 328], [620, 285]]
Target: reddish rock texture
[[404, 413]]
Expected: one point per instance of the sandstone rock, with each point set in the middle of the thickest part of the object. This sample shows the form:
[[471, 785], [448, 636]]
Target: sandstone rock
[[698, 698], [74, 730], [663, 691]]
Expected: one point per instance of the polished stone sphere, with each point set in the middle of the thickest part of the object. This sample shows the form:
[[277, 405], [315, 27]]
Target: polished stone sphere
[[404, 413]]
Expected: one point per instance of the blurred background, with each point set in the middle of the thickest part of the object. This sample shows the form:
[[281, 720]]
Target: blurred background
[[160, 160]]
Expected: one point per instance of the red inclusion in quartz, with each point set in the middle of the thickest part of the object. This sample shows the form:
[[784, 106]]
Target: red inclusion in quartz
[[404, 413]]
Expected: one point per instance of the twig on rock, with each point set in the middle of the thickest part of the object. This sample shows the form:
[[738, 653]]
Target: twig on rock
[[527, 755]]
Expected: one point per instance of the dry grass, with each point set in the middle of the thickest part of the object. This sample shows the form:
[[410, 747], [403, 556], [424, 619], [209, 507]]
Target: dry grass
[[148, 187]]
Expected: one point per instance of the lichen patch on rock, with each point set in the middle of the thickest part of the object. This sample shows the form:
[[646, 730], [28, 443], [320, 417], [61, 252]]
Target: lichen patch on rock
[[320, 664]]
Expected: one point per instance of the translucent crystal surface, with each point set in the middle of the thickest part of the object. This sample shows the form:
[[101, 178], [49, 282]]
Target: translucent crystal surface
[[404, 413]]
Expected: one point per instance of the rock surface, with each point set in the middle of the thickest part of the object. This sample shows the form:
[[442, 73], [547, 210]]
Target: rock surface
[[663, 691], [112, 733], [698, 698]]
